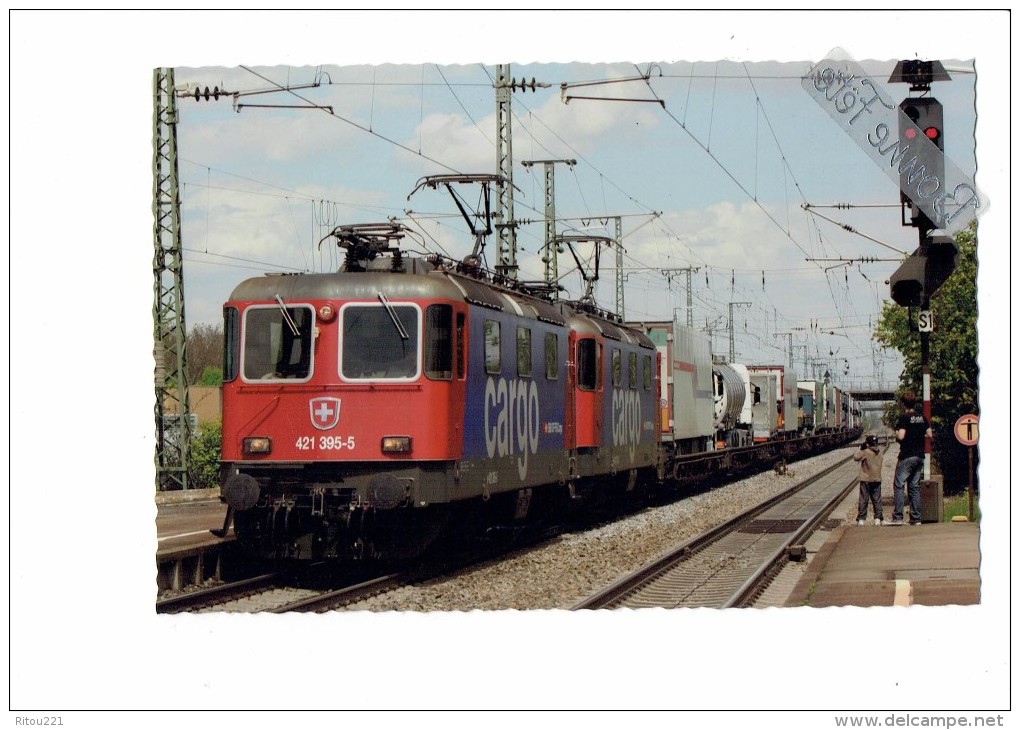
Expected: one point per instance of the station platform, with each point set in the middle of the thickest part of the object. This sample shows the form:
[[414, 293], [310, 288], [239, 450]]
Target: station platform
[[931, 564]]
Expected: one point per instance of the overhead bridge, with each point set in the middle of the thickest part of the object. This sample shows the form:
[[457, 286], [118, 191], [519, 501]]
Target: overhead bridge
[[873, 395]]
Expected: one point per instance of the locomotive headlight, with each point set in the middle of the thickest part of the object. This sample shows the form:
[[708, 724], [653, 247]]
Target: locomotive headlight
[[327, 312], [258, 445], [396, 445]]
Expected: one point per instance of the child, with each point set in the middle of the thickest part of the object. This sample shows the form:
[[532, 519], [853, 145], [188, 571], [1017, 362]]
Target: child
[[871, 480]]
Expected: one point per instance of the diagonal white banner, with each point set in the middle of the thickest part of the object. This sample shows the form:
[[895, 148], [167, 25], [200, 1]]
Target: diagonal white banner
[[872, 119]]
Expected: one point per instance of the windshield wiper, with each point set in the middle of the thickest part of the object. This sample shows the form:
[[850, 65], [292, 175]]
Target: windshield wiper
[[393, 316], [286, 316]]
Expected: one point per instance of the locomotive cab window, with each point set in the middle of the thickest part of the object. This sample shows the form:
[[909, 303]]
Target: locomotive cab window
[[632, 370], [647, 373], [278, 343], [380, 342]]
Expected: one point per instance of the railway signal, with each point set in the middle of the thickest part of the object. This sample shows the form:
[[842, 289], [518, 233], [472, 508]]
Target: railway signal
[[922, 165], [922, 173], [921, 162], [924, 271], [922, 168]]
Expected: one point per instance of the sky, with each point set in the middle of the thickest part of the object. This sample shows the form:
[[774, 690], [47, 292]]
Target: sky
[[715, 179], [727, 163]]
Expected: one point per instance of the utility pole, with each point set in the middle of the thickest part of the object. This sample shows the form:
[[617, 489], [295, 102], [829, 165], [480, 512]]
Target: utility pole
[[789, 343], [549, 250], [506, 268], [506, 224], [173, 439], [618, 230], [668, 273], [733, 343]]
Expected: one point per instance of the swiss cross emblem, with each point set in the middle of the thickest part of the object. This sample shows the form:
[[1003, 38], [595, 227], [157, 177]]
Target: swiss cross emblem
[[325, 412]]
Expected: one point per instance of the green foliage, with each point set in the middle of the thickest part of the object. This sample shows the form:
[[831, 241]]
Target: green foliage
[[205, 455], [960, 505], [211, 376], [952, 356]]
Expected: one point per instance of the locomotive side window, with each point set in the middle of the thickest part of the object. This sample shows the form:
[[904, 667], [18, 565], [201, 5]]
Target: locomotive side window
[[492, 362], [589, 365], [231, 337], [277, 343], [632, 370], [552, 357], [460, 345], [617, 367], [647, 374], [439, 342], [523, 352], [379, 342]]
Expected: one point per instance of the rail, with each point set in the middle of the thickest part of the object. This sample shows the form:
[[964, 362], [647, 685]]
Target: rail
[[750, 578]]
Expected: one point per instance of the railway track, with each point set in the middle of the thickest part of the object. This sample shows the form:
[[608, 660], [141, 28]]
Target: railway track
[[276, 592], [270, 594], [217, 595], [731, 564]]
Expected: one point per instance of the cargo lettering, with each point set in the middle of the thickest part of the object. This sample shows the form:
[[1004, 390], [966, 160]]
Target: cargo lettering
[[512, 420], [626, 419]]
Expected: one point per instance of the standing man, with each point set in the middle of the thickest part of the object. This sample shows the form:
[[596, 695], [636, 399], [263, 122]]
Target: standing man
[[911, 430]]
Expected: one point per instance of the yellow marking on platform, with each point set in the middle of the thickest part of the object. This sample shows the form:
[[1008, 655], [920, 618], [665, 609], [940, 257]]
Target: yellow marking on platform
[[902, 596]]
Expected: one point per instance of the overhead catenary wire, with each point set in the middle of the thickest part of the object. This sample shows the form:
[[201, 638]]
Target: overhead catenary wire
[[533, 120]]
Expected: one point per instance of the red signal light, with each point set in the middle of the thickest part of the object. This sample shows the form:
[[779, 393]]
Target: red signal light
[[909, 133], [931, 133]]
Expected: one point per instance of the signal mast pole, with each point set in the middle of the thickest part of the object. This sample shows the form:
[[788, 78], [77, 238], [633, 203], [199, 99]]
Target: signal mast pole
[[935, 258], [169, 334]]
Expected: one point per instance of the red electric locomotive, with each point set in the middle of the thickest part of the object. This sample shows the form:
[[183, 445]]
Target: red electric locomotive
[[365, 411]]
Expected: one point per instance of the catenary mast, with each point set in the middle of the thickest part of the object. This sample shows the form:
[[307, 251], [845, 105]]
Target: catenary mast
[[173, 427]]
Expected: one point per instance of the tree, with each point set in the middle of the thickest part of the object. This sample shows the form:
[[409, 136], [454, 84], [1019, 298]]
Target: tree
[[205, 351], [205, 456], [952, 356]]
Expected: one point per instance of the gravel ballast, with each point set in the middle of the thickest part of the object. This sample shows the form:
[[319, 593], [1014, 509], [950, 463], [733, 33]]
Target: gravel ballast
[[560, 573]]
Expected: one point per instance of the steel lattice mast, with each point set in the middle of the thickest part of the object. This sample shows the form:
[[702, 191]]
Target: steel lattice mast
[[552, 275], [173, 435], [618, 231], [506, 225]]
